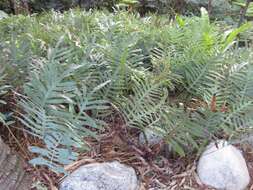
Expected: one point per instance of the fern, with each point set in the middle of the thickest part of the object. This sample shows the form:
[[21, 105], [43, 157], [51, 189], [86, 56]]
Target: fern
[[143, 108], [55, 110], [121, 61], [182, 130], [230, 82], [143, 66], [3, 91]]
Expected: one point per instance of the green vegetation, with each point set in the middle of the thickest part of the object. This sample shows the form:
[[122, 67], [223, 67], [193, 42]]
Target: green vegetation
[[228, 10], [74, 69], [3, 91]]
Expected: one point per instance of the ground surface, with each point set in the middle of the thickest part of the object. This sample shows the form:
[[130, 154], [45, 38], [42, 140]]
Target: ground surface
[[155, 171]]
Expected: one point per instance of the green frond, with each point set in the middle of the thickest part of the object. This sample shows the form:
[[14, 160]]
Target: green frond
[[239, 116], [181, 130], [3, 91], [143, 66], [56, 111], [237, 83], [121, 61], [202, 76], [143, 108]]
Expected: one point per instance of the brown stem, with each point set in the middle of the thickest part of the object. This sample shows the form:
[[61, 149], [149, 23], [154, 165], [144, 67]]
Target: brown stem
[[243, 13], [209, 7]]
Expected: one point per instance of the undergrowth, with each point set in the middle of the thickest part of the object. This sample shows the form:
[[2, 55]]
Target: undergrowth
[[71, 70]]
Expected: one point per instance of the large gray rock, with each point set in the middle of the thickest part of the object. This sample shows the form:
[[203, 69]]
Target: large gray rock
[[101, 176], [222, 166]]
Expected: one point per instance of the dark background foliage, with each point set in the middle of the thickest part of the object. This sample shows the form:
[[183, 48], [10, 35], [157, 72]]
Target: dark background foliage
[[143, 6], [226, 10]]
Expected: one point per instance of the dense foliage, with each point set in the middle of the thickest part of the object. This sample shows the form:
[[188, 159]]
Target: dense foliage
[[218, 9], [3, 91], [187, 79]]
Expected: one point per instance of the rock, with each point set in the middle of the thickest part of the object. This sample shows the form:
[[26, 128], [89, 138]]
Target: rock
[[223, 167], [101, 176], [153, 137]]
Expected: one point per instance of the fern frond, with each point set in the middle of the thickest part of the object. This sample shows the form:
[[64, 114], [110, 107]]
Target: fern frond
[[162, 68], [56, 111], [121, 61], [182, 131], [239, 116], [201, 77], [237, 83], [142, 109], [3, 91]]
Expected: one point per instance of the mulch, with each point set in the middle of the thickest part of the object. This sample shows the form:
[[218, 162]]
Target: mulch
[[156, 171]]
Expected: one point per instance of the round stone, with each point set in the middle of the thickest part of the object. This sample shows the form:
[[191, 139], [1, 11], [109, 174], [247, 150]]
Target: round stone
[[101, 176], [222, 166]]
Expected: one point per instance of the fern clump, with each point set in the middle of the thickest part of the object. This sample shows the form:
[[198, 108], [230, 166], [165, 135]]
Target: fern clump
[[186, 78], [56, 110]]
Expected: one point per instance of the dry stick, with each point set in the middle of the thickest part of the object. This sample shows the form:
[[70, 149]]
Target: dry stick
[[243, 13], [209, 7], [17, 141]]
